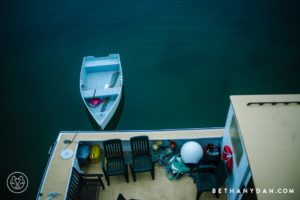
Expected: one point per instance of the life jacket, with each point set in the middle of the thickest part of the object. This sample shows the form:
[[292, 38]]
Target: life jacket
[[227, 157]]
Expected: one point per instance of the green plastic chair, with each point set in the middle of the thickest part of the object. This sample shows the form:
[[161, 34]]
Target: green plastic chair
[[84, 186], [206, 181], [141, 156], [115, 162]]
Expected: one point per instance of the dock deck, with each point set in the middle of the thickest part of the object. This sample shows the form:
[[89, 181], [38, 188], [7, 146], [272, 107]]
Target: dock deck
[[58, 170]]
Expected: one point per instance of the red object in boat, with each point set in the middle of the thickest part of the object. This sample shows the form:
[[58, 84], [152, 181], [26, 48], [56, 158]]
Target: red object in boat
[[227, 157], [94, 102]]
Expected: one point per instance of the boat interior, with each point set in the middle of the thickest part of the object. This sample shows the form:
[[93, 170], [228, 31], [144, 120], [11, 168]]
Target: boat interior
[[100, 83], [97, 73]]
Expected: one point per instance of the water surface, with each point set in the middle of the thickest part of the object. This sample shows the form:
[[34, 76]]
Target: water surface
[[181, 61]]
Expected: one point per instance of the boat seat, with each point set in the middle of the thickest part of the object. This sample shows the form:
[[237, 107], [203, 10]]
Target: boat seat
[[101, 92], [105, 62]]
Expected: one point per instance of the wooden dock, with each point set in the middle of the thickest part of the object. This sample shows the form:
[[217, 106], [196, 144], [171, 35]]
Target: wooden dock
[[58, 170]]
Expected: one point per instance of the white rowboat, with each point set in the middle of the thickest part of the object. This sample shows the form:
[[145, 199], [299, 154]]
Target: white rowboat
[[101, 82]]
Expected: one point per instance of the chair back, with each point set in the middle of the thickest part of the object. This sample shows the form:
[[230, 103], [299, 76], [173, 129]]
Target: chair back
[[221, 173], [113, 149], [120, 197], [140, 146], [74, 185]]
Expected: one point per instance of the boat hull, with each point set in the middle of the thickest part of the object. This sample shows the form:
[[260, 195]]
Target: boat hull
[[101, 83]]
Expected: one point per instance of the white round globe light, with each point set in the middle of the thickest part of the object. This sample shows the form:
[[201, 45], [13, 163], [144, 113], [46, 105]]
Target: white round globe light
[[191, 152]]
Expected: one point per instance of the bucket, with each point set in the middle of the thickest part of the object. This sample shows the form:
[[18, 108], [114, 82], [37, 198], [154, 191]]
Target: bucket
[[95, 153], [83, 155]]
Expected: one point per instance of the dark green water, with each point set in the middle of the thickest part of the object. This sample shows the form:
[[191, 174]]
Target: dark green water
[[181, 61]]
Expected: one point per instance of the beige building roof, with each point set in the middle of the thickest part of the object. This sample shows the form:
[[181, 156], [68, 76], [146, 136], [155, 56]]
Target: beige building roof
[[271, 134]]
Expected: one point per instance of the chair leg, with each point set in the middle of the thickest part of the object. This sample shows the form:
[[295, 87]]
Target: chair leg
[[126, 175], [133, 174], [217, 193], [198, 194], [106, 176], [152, 173], [101, 183], [107, 180]]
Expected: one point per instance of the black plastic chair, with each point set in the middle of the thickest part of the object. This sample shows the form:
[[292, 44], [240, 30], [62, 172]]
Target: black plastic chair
[[141, 156], [211, 178], [121, 197], [84, 186], [115, 162]]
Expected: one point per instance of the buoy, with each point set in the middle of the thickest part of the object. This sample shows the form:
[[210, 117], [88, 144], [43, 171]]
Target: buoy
[[154, 147]]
